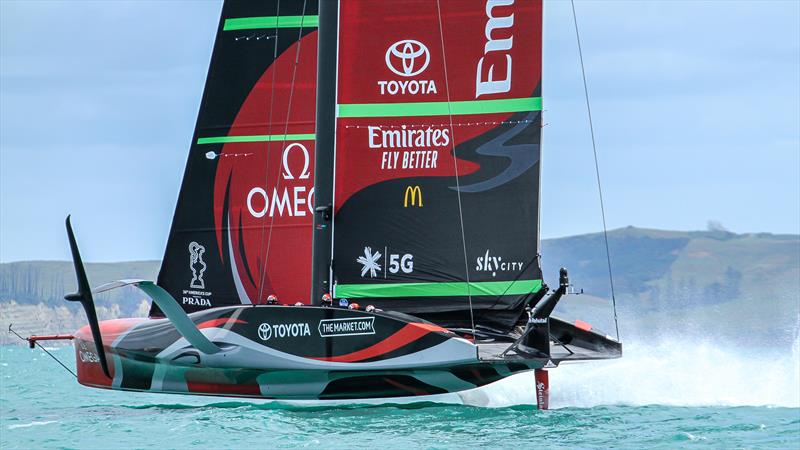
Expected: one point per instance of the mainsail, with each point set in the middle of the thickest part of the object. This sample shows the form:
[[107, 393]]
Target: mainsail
[[436, 172], [242, 226]]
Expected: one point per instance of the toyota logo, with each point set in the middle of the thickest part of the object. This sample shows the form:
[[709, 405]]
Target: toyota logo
[[264, 331], [411, 56]]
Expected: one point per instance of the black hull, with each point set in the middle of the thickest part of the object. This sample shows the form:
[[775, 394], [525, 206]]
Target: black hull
[[301, 353]]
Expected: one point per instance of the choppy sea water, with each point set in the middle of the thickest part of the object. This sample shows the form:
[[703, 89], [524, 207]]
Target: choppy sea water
[[657, 396]]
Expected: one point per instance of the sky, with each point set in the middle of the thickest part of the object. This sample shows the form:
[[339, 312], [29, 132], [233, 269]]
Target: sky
[[696, 107]]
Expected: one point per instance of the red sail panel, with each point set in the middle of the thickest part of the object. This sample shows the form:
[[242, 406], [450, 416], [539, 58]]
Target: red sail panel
[[264, 190], [242, 226], [391, 52]]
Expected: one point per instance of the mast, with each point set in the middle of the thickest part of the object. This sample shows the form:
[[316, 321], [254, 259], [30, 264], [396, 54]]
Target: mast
[[325, 144]]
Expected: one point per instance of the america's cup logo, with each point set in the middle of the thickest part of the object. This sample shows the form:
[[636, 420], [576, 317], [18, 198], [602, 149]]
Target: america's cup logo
[[407, 58], [197, 265]]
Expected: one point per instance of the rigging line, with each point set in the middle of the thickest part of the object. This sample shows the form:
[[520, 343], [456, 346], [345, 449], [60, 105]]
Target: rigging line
[[263, 268], [286, 128], [455, 165], [596, 169], [10, 330]]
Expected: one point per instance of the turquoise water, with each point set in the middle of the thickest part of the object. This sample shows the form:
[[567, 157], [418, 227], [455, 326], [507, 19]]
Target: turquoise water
[[42, 406]]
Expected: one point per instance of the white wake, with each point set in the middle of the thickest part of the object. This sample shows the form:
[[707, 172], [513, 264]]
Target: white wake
[[673, 371]]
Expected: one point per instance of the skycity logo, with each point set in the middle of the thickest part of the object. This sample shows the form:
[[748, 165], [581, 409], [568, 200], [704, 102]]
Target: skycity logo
[[494, 264], [197, 265], [407, 58]]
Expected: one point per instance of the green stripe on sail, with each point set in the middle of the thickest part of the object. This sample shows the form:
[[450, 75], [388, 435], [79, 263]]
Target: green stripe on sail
[[505, 105], [444, 289], [256, 138], [255, 23]]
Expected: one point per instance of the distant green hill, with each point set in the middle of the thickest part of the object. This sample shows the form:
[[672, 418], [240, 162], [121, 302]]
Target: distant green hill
[[665, 268], [743, 287], [710, 284]]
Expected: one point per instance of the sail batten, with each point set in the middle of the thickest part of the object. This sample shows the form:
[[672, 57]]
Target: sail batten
[[256, 138], [440, 289], [255, 23], [457, 108]]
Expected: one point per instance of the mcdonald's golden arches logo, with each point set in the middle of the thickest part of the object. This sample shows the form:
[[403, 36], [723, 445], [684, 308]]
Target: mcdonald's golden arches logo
[[415, 193]]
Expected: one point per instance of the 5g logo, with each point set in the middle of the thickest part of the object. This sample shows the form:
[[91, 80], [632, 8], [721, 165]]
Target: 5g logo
[[404, 263], [394, 263]]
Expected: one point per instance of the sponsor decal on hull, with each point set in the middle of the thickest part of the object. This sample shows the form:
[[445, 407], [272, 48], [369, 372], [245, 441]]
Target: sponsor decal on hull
[[87, 355], [346, 327], [283, 330]]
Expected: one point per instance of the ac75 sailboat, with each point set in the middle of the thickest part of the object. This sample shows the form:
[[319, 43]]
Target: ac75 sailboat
[[359, 213]]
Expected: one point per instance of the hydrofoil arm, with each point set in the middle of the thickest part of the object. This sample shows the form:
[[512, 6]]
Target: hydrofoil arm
[[171, 309]]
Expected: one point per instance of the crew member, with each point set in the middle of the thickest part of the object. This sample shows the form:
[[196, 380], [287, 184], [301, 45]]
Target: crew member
[[327, 301], [272, 299]]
